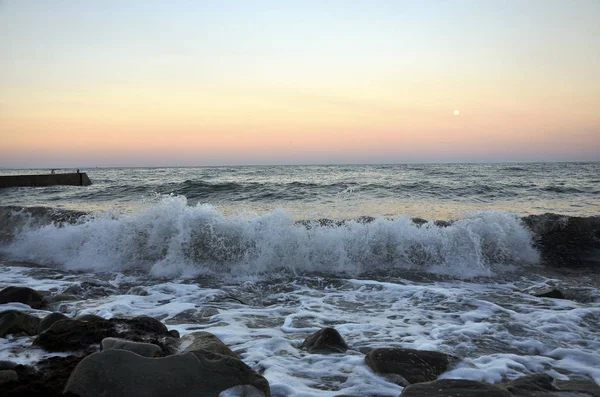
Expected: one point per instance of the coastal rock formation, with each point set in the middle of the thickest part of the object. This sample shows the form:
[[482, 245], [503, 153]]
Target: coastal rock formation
[[24, 295], [454, 388], [15, 322], [51, 319], [413, 365], [201, 373], [324, 341], [73, 335], [143, 349], [205, 341], [550, 293]]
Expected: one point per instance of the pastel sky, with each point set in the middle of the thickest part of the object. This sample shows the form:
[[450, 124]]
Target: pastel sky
[[152, 83]]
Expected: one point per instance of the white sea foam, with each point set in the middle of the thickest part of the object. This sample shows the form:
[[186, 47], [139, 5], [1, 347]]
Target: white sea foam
[[173, 239]]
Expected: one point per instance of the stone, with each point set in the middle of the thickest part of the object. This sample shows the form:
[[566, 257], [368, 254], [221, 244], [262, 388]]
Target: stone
[[5, 364], [51, 319], [414, 365], [454, 388], [525, 385], [76, 335], [174, 333], [586, 387], [64, 297], [550, 293], [8, 375], [205, 341], [325, 341], [143, 349], [201, 373], [15, 322], [24, 295], [92, 318]]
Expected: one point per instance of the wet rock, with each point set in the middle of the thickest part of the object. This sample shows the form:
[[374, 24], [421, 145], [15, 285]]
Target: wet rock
[[324, 341], [174, 333], [205, 341], [550, 293], [143, 349], [91, 318], [74, 335], [47, 380], [140, 291], [64, 297], [202, 373], [15, 322], [193, 316], [5, 364], [90, 289], [414, 365], [8, 375], [585, 387], [454, 388], [24, 295], [525, 385], [51, 319]]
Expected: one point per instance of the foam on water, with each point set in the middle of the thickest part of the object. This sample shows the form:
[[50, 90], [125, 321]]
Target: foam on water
[[173, 239]]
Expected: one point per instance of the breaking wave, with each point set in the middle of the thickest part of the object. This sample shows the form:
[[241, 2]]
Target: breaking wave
[[174, 239]]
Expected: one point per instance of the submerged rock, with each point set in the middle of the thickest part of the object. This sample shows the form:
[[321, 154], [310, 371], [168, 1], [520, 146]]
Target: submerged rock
[[205, 341], [454, 388], [15, 322], [73, 335], [143, 349], [550, 293], [201, 373], [24, 295], [51, 319], [413, 365], [324, 341]]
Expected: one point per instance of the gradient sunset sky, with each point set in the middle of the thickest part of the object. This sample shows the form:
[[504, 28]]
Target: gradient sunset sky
[[149, 83]]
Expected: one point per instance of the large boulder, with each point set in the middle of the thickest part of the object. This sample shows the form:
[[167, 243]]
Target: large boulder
[[200, 373], [15, 322], [73, 335], [324, 341], [51, 319], [24, 295], [143, 349], [454, 388], [205, 341], [413, 365], [8, 375]]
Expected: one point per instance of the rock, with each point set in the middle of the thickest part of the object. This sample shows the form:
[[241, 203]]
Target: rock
[[5, 364], [586, 387], [74, 335], [64, 297], [51, 319], [414, 365], [205, 341], [14, 322], [454, 388], [523, 386], [550, 293], [46, 379], [143, 349], [174, 333], [324, 341], [91, 318], [8, 375], [140, 291], [202, 373], [24, 295]]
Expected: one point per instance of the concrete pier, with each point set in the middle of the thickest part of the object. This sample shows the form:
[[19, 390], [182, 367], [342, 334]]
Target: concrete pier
[[74, 179]]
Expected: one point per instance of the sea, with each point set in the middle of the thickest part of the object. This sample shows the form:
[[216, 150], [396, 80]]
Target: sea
[[444, 257]]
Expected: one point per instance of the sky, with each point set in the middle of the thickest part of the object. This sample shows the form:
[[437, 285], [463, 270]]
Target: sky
[[167, 83]]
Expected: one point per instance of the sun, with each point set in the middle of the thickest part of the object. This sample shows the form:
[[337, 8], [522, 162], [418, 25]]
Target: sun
[[456, 112]]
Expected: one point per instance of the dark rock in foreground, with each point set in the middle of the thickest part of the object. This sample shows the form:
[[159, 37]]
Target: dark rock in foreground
[[74, 335], [143, 349], [537, 385], [201, 373], [325, 340], [24, 295], [16, 322], [413, 365], [550, 293], [454, 388], [206, 341]]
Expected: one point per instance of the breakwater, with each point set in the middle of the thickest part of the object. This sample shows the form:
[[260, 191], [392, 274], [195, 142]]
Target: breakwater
[[73, 178]]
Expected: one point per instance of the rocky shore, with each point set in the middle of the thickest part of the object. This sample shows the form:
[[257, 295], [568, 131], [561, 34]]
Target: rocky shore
[[90, 356]]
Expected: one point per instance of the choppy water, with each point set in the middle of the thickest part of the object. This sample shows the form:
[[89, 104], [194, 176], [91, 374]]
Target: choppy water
[[260, 256]]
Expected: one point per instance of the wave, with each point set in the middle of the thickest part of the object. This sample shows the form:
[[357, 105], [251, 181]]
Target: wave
[[174, 239]]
